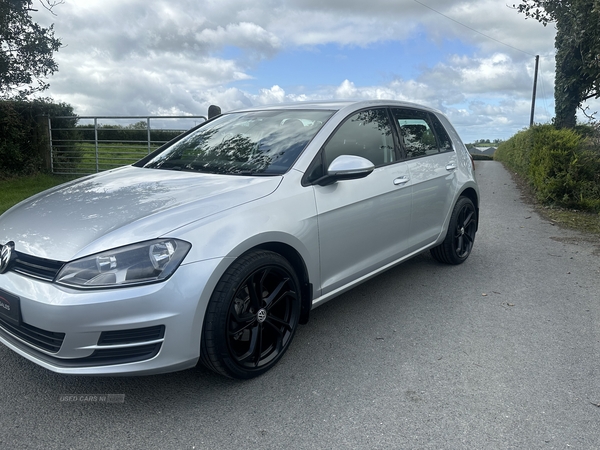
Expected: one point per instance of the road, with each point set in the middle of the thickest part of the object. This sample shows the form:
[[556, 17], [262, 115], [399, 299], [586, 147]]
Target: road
[[500, 352]]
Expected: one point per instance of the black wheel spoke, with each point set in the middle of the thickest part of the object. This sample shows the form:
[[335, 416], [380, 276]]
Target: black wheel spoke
[[242, 323], [263, 279], [276, 323], [468, 220], [276, 296], [259, 345], [459, 245], [469, 238], [252, 355], [255, 292], [278, 339], [269, 299]]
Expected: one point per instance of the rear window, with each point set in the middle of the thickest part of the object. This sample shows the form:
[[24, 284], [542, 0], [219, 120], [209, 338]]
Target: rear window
[[421, 133]]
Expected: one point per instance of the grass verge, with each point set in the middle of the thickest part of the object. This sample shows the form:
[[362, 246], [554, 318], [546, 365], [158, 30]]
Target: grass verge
[[573, 219]]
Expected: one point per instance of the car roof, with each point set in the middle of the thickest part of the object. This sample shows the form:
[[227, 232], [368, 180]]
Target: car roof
[[334, 105]]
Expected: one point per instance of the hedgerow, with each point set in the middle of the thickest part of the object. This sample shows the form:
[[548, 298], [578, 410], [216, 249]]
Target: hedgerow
[[562, 165], [24, 136]]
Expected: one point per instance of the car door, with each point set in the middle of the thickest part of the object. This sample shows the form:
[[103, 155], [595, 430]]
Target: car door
[[432, 165], [363, 222]]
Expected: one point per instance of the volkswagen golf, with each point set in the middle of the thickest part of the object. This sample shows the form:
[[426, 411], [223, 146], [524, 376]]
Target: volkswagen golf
[[215, 247]]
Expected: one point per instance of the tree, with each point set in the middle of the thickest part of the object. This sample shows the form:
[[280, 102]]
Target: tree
[[577, 51], [26, 49]]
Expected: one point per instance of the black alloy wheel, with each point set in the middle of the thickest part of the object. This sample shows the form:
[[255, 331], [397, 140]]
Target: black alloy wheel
[[457, 245], [252, 316]]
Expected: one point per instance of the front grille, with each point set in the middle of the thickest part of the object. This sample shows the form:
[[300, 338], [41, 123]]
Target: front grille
[[46, 340], [132, 336], [45, 269]]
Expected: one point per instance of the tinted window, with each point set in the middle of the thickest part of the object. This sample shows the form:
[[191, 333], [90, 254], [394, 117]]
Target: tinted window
[[442, 135], [367, 134], [420, 133], [251, 143]]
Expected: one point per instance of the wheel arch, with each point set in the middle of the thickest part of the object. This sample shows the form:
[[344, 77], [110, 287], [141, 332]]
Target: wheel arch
[[472, 195]]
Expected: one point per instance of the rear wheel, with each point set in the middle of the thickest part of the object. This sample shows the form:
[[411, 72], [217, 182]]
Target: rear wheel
[[457, 245], [252, 316]]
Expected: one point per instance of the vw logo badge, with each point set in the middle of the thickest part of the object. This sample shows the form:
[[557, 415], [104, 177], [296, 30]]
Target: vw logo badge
[[6, 253], [262, 315]]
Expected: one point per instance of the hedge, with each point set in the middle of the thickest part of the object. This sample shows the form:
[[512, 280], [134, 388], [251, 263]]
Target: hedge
[[24, 134], [562, 165]]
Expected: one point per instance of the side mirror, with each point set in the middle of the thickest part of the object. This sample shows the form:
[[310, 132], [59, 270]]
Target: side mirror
[[213, 111], [347, 167]]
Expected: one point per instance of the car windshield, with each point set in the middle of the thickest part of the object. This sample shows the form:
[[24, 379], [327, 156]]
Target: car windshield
[[247, 143]]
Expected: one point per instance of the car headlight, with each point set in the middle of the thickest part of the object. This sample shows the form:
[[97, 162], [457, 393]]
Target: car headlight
[[145, 262]]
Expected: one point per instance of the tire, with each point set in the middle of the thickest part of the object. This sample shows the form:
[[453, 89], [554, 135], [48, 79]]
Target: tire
[[457, 246], [252, 316]]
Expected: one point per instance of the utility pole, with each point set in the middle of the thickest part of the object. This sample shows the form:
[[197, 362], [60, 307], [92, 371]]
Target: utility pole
[[535, 77]]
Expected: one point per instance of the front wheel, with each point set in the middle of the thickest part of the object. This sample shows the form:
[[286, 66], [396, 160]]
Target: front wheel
[[252, 316], [457, 245]]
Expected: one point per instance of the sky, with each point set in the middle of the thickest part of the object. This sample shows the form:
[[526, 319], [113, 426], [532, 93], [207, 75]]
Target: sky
[[472, 59]]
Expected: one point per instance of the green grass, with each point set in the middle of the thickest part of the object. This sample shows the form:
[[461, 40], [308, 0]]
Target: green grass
[[81, 159], [13, 190], [577, 220]]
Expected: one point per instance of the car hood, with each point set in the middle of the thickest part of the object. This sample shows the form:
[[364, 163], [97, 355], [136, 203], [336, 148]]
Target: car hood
[[120, 207]]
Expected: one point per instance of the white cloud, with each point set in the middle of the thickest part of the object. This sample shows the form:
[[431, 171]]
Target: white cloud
[[243, 35], [137, 57], [472, 75]]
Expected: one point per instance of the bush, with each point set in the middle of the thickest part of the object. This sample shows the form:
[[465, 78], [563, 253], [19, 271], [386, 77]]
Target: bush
[[482, 157], [126, 134], [24, 134], [563, 166]]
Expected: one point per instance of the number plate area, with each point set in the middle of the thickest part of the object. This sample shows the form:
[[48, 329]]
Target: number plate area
[[10, 308]]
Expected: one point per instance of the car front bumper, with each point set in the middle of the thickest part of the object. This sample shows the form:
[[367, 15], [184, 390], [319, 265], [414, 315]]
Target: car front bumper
[[138, 330]]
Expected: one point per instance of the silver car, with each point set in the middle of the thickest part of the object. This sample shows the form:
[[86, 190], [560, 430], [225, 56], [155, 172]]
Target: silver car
[[216, 246]]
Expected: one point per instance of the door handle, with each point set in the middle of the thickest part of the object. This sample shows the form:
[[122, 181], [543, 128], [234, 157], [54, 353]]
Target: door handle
[[400, 181], [451, 166]]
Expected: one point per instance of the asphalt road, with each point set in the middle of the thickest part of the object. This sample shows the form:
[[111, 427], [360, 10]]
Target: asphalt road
[[500, 352]]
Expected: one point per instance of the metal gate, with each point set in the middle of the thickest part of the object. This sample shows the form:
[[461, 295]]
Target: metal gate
[[81, 145]]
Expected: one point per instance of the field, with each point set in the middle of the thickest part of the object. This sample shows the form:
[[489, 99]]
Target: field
[[83, 158]]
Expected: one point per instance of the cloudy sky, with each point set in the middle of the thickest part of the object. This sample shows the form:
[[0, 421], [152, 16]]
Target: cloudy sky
[[176, 57]]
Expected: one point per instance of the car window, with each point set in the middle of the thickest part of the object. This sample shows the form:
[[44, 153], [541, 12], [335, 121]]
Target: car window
[[247, 143], [368, 134], [418, 135], [444, 140]]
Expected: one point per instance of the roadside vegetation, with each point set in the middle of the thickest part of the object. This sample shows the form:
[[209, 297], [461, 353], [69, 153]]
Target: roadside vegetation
[[482, 157], [561, 168]]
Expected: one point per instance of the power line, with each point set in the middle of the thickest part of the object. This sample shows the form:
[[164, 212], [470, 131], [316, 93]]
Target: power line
[[544, 96], [472, 29]]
